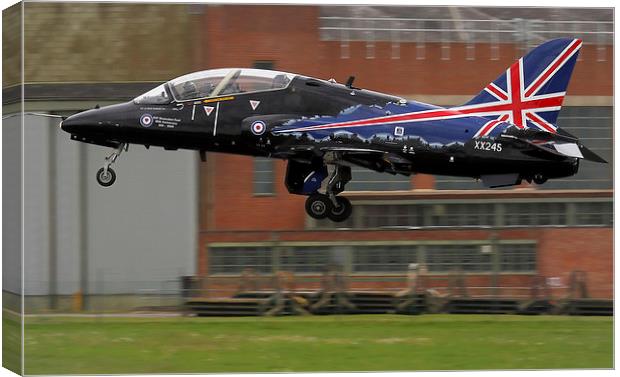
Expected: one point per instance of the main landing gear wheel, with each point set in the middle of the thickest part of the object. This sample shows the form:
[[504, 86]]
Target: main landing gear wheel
[[106, 178], [539, 179], [341, 212], [318, 206]]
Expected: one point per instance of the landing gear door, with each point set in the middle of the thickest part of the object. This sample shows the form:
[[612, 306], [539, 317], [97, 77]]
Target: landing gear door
[[303, 178]]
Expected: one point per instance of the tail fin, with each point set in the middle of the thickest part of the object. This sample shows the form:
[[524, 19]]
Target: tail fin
[[530, 93]]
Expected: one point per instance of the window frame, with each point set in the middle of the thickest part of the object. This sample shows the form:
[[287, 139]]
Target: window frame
[[166, 89], [273, 177], [279, 249]]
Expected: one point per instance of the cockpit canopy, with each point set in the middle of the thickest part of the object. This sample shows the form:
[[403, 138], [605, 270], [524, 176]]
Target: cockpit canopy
[[216, 82]]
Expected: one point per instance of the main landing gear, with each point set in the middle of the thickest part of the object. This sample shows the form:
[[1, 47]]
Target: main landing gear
[[106, 176], [320, 206], [328, 205]]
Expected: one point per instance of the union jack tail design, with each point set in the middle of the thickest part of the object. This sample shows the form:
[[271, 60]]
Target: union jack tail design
[[530, 93]]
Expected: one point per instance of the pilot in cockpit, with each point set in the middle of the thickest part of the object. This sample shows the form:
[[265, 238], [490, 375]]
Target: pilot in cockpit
[[190, 90]]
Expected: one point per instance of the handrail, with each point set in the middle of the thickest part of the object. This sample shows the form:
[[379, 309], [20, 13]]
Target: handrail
[[519, 30]]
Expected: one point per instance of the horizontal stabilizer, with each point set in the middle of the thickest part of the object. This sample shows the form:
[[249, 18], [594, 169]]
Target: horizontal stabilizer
[[591, 156], [578, 151], [568, 149], [559, 144]]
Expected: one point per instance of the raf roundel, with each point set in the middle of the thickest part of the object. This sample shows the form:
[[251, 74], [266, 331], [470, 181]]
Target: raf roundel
[[258, 127], [146, 120]]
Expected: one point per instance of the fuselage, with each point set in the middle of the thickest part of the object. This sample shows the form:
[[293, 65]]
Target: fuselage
[[505, 134], [309, 111]]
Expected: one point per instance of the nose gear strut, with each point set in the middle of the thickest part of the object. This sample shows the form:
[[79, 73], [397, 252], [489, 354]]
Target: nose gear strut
[[106, 176]]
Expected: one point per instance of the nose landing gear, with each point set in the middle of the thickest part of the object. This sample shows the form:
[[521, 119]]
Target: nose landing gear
[[106, 176]]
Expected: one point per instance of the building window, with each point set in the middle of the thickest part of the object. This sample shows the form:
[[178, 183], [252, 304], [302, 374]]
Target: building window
[[395, 37], [535, 214], [495, 41], [600, 42], [420, 40], [384, 258], [594, 213], [368, 180], [445, 38], [470, 46], [370, 40], [517, 257], [304, 259], [466, 258], [263, 176], [233, 260], [344, 42], [392, 215], [455, 215], [462, 214], [264, 64], [470, 51]]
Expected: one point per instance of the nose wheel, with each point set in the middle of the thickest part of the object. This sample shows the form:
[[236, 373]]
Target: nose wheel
[[106, 176]]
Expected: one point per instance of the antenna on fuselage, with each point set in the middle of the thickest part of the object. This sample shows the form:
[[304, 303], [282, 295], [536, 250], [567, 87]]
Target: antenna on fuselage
[[35, 114], [349, 83]]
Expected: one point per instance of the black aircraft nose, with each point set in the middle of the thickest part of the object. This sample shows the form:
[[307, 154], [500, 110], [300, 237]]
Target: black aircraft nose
[[80, 122]]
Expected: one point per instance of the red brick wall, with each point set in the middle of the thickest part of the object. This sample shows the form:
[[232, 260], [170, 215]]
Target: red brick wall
[[289, 35], [560, 251], [586, 249], [456, 76], [236, 36], [236, 205]]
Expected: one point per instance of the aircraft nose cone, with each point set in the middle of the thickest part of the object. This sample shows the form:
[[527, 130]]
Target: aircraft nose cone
[[77, 122]]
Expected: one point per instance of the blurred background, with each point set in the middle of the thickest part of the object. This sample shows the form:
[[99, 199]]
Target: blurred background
[[173, 229]]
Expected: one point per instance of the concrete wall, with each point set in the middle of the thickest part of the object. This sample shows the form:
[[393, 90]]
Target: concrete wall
[[11, 204], [11, 45], [68, 42], [134, 236]]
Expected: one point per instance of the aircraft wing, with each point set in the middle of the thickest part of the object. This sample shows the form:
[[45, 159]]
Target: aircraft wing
[[341, 150], [373, 159]]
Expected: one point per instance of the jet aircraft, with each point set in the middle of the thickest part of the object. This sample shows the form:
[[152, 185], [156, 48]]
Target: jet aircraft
[[506, 134]]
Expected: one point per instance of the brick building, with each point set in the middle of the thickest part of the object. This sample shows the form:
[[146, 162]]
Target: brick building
[[496, 237], [246, 218]]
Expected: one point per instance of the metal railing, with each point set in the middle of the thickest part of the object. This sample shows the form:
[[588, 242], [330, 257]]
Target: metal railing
[[525, 33]]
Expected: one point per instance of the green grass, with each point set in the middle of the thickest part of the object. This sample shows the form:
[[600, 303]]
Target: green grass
[[11, 342], [329, 343]]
